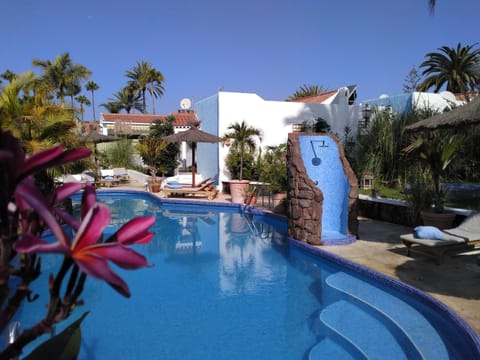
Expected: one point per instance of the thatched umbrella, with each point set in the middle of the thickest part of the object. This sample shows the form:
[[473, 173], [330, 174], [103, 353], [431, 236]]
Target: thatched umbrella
[[194, 136], [467, 114]]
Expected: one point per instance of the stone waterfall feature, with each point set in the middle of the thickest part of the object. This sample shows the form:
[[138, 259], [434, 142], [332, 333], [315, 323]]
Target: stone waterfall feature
[[323, 190]]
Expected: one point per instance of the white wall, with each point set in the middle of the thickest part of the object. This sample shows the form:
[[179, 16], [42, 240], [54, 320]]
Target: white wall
[[435, 101], [275, 118]]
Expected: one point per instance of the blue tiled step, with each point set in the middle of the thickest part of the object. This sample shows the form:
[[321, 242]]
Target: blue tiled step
[[329, 349], [363, 330], [422, 336]]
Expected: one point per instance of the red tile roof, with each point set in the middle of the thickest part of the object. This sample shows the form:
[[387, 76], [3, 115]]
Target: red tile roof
[[318, 99], [181, 118]]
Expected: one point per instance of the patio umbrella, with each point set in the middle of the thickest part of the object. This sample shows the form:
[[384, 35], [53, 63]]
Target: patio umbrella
[[194, 136], [464, 115]]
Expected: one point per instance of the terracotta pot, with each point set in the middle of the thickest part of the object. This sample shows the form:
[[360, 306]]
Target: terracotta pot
[[238, 190], [439, 220], [154, 185]]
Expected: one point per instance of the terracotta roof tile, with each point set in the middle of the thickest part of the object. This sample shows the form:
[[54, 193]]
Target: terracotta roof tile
[[318, 99]]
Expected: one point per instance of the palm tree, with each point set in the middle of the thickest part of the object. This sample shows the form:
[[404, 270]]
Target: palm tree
[[458, 69], [128, 98], [155, 87], [36, 122], [8, 75], [82, 100], [112, 107], [243, 137], [142, 75], [92, 86], [62, 74], [306, 91]]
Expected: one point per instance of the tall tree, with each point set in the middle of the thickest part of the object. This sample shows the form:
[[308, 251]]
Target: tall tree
[[155, 87], [128, 98], [142, 75], [412, 81], [82, 100], [306, 91], [92, 87], [457, 68], [8, 75], [62, 74], [112, 107]]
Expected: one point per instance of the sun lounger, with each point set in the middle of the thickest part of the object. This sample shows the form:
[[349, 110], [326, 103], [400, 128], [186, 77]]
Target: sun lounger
[[208, 189], [173, 184], [121, 174], [434, 242]]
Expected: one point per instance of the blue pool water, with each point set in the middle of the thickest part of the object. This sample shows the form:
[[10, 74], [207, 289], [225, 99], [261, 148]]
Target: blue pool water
[[231, 285]]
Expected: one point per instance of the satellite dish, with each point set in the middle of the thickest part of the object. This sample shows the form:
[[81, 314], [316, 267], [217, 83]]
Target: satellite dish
[[185, 104]]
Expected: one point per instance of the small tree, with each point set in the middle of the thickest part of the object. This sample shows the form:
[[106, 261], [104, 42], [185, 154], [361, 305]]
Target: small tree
[[150, 148], [120, 154], [275, 168], [166, 161], [243, 137]]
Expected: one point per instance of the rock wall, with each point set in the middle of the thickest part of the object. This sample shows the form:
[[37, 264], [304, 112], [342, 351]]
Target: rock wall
[[305, 199]]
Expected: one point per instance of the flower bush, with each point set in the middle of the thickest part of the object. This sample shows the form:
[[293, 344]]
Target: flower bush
[[25, 214]]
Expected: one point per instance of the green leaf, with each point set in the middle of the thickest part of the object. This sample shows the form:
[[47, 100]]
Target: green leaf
[[64, 346]]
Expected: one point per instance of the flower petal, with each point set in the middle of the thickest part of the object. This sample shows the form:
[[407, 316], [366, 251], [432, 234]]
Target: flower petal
[[89, 198], [122, 256], [92, 226], [135, 231], [29, 243], [32, 196], [99, 269], [64, 191], [40, 160]]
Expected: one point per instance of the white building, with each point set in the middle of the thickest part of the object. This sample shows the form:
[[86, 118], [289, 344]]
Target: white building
[[404, 103], [274, 118]]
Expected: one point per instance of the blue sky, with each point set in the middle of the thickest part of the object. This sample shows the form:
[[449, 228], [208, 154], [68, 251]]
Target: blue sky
[[266, 47]]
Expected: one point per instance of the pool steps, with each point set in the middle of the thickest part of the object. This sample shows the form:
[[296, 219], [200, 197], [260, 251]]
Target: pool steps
[[361, 310]]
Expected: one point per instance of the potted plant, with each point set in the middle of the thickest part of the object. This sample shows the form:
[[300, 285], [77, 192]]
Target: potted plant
[[274, 172], [435, 152], [149, 148], [243, 146]]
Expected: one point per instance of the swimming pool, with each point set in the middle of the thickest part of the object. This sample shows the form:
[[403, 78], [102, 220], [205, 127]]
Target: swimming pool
[[231, 285]]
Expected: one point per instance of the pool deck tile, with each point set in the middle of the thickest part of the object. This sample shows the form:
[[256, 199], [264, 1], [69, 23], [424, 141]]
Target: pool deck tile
[[455, 282]]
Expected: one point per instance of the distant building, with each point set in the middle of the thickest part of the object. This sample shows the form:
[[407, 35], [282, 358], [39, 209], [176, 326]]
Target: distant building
[[134, 125], [405, 103]]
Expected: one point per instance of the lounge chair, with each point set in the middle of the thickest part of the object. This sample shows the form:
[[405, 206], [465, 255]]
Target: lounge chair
[[173, 184], [208, 189], [434, 242], [121, 174]]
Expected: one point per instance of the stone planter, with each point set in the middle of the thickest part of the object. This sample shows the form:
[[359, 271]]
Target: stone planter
[[238, 190], [439, 220]]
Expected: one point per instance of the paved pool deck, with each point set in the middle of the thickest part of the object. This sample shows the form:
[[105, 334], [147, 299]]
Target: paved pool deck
[[456, 282]]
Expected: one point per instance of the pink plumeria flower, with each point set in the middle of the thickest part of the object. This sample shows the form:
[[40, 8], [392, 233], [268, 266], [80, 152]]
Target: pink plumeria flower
[[91, 254]]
